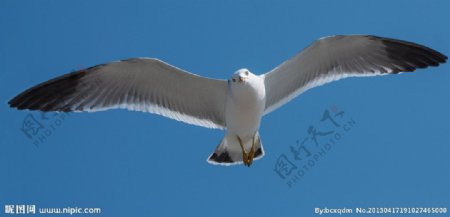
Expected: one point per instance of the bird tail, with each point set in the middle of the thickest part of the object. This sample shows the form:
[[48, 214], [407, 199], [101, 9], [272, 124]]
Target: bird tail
[[229, 152]]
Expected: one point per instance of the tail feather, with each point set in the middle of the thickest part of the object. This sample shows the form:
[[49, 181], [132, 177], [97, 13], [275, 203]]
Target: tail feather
[[229, 152]]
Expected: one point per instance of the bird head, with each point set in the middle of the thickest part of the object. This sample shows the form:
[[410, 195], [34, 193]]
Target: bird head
[[241, 76]]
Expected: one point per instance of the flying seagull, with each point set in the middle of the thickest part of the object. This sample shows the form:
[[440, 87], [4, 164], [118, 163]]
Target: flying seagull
[[235, 105]]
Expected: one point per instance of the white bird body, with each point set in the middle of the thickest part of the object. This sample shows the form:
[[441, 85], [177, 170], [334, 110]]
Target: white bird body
[[237, 105], [245, 105]]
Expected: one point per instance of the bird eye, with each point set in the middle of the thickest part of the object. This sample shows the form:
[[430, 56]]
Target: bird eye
[[234, 80], [246, 72]]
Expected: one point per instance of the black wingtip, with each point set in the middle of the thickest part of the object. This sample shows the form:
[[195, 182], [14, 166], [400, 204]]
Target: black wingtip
[[49, 95], [409, 56]]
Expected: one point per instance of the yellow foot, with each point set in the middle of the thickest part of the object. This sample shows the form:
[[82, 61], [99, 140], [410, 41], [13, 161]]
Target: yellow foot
[[251, 154], [247, 158]]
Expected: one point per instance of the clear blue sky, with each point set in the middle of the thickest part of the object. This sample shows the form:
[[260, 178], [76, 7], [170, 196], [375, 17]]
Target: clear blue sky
[[137, 164]]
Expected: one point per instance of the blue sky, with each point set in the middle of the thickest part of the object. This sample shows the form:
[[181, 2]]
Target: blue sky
[[136, 164]]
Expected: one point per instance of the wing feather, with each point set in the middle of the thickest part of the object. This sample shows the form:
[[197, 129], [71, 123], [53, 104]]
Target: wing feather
[[141, 84], [336, 57]]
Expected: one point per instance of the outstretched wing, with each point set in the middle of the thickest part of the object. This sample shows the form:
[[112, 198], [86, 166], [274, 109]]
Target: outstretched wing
[[140, 84], [332, 58]]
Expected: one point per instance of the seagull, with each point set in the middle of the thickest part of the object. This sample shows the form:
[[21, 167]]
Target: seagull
[[235, 105]]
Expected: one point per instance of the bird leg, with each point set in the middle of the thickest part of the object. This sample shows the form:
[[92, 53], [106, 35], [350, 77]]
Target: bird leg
[[244, 154], [247, 158], [251, 154]]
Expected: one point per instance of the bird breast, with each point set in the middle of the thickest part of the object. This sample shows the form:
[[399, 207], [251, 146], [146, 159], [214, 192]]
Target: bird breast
[[244, 108]]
